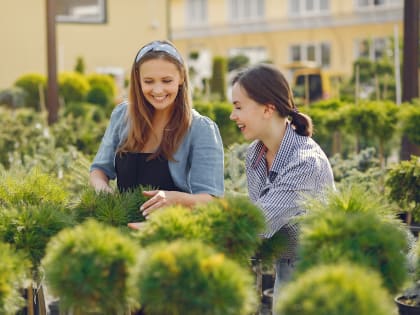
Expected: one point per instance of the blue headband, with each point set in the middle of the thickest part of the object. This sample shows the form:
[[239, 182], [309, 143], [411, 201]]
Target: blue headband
[[159, 46]]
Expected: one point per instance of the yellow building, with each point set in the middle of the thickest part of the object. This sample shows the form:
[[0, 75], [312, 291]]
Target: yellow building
[[107, 33], [331, 33]]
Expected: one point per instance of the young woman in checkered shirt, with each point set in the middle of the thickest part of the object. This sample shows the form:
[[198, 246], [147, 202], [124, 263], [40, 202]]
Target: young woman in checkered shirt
[[283, 162]]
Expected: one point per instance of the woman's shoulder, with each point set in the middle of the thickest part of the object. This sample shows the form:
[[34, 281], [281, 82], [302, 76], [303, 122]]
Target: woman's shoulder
[[200, 121], [120, 109]]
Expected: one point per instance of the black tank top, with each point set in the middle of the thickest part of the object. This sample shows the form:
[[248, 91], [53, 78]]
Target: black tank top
[[133, 170]]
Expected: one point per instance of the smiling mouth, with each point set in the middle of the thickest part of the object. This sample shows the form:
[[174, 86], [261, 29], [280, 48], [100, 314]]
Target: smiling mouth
[[159, 98]]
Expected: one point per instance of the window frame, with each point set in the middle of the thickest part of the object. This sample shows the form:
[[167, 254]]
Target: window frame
[[254, 11], [194, 6], [101, 19], [301, 6]]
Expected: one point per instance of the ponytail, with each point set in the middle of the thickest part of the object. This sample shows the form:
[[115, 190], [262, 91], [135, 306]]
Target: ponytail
[[302, 123]]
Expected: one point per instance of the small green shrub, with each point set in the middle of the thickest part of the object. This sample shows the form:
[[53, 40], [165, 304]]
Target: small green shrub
[[335, 290], [33, 189], [73, 86], [13, 97], [105, 81], [80, 65], [116, 209], [205, 109], [231, 225], [218, 80], [13, 275], [352, 226], [403, 181], [234, 226], [189, 278], [98, 95], [228, 129], [31, 83], [89, 268], [169, 224], [410, 117], [29, 228]]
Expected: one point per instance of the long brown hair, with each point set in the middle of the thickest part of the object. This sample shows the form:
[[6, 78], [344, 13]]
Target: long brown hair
[[265, 84], [140, 111]]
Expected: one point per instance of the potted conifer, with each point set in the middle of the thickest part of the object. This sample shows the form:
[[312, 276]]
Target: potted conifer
[[14, 274], [342, 289], [88, 268], [32, 211], [356, 227], [188, 277], [409, 301], [403, 181]]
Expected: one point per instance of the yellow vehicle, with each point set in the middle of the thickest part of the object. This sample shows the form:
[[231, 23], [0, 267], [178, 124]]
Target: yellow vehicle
[[310, 83]]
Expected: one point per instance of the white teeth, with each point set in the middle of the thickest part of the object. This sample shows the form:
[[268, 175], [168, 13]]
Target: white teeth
[[159, 98]]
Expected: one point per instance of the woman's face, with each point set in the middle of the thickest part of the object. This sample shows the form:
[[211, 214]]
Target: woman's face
[[248, 115], [160, 81]]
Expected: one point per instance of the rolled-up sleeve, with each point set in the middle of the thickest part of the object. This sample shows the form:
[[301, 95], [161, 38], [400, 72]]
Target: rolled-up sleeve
[[104, 159], [206, 159]]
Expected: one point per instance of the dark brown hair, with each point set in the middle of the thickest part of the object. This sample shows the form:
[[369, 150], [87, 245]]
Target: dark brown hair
[[140, 111], [265, 84]]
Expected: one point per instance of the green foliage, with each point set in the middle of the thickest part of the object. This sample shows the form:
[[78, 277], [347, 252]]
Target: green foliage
[[31, 83], [13, 97], [193, 279], [234, 226], [87, 111], [32, 189], [80, 65], [89, 268], [169, 224], [73, 86], [271, 248], [235, 176], [237, 62], [98, 95], [115, 209], [218, 80], [335, 290], [22, 131], [228, 128], [205, 108], [356, 227], [13, 275], [220, 112], [328, 120], [410, 117], [82, 132], [231, 225], [105, 81], [362, 169], [403, 181], [29, 227]]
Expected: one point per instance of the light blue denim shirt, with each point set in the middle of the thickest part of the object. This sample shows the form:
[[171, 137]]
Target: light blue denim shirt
[[198, 165]]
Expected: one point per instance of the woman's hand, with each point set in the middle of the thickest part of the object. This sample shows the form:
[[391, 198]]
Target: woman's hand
[[163, 198], [158, 199]]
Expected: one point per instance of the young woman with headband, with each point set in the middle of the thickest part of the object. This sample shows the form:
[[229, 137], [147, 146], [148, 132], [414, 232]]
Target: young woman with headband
[[156, 138]]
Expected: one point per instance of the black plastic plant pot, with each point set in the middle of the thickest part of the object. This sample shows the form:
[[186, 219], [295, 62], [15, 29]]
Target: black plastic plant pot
[[405, 309]]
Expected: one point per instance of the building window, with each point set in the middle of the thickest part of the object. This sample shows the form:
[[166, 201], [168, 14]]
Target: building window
[[370, 4], [244, 10], [374, 49], [81, 11], [254, 54], [308, 7], [318, 53], [196, 12]]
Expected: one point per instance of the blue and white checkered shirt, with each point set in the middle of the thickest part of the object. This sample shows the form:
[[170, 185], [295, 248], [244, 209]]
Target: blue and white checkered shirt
[[299, 167]]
